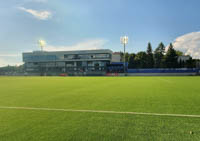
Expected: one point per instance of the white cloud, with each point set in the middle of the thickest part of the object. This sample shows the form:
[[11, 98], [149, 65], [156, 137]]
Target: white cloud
[[10, 55], [10, 59], [189, 44], [41, 15], [86, 45], [5, 62]]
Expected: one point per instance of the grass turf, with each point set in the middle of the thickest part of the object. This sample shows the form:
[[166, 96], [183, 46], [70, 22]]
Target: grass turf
[[173, 95]]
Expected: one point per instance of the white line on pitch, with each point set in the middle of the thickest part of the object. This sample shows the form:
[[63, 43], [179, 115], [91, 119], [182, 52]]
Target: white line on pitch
[[99, 111], [165, 80]]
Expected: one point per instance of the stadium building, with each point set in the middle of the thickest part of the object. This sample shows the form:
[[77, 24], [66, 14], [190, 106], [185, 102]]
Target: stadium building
[[84, 62]]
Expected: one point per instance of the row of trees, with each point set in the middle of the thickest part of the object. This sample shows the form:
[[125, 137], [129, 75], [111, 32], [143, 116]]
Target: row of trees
[[11, 70], [159, 58]]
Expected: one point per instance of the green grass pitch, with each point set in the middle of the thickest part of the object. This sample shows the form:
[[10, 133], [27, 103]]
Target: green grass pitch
[[164, 95]]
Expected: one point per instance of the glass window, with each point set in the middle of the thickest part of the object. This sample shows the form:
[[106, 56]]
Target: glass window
[[69, 64], [102, 56], [69, 56], [90, 64]]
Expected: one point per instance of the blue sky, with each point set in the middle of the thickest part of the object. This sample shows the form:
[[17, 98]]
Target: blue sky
[[89, 24]]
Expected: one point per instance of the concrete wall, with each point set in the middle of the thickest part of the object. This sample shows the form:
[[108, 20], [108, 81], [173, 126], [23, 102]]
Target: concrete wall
[[116, 57]]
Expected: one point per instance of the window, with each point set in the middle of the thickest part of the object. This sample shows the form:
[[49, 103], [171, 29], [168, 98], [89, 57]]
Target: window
[[102, 56], [69, 56], [69, 64], [90, 64]]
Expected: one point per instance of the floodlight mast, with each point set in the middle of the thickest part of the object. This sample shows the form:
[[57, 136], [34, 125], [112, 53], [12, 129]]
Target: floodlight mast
[[124, 41], [41, 44]]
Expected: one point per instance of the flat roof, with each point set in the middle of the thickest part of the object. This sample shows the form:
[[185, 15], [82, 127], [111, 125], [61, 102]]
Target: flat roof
[[71, 52]]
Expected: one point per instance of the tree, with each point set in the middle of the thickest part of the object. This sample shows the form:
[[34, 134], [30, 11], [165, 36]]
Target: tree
[[131, 61], [159, 55], [191, 63], [10, 70], [171, 57], [141, 59], [150, 59], [121, 56], [126, 56], [179, 53]]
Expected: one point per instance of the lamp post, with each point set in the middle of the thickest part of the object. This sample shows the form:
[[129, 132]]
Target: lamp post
[[124, 41]]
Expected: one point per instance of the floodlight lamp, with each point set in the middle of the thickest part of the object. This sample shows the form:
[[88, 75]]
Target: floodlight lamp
[[124, 40], [41, 43]]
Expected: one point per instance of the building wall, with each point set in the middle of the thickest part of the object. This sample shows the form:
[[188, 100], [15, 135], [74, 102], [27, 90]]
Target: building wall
[[67, 61], [116, 57]]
